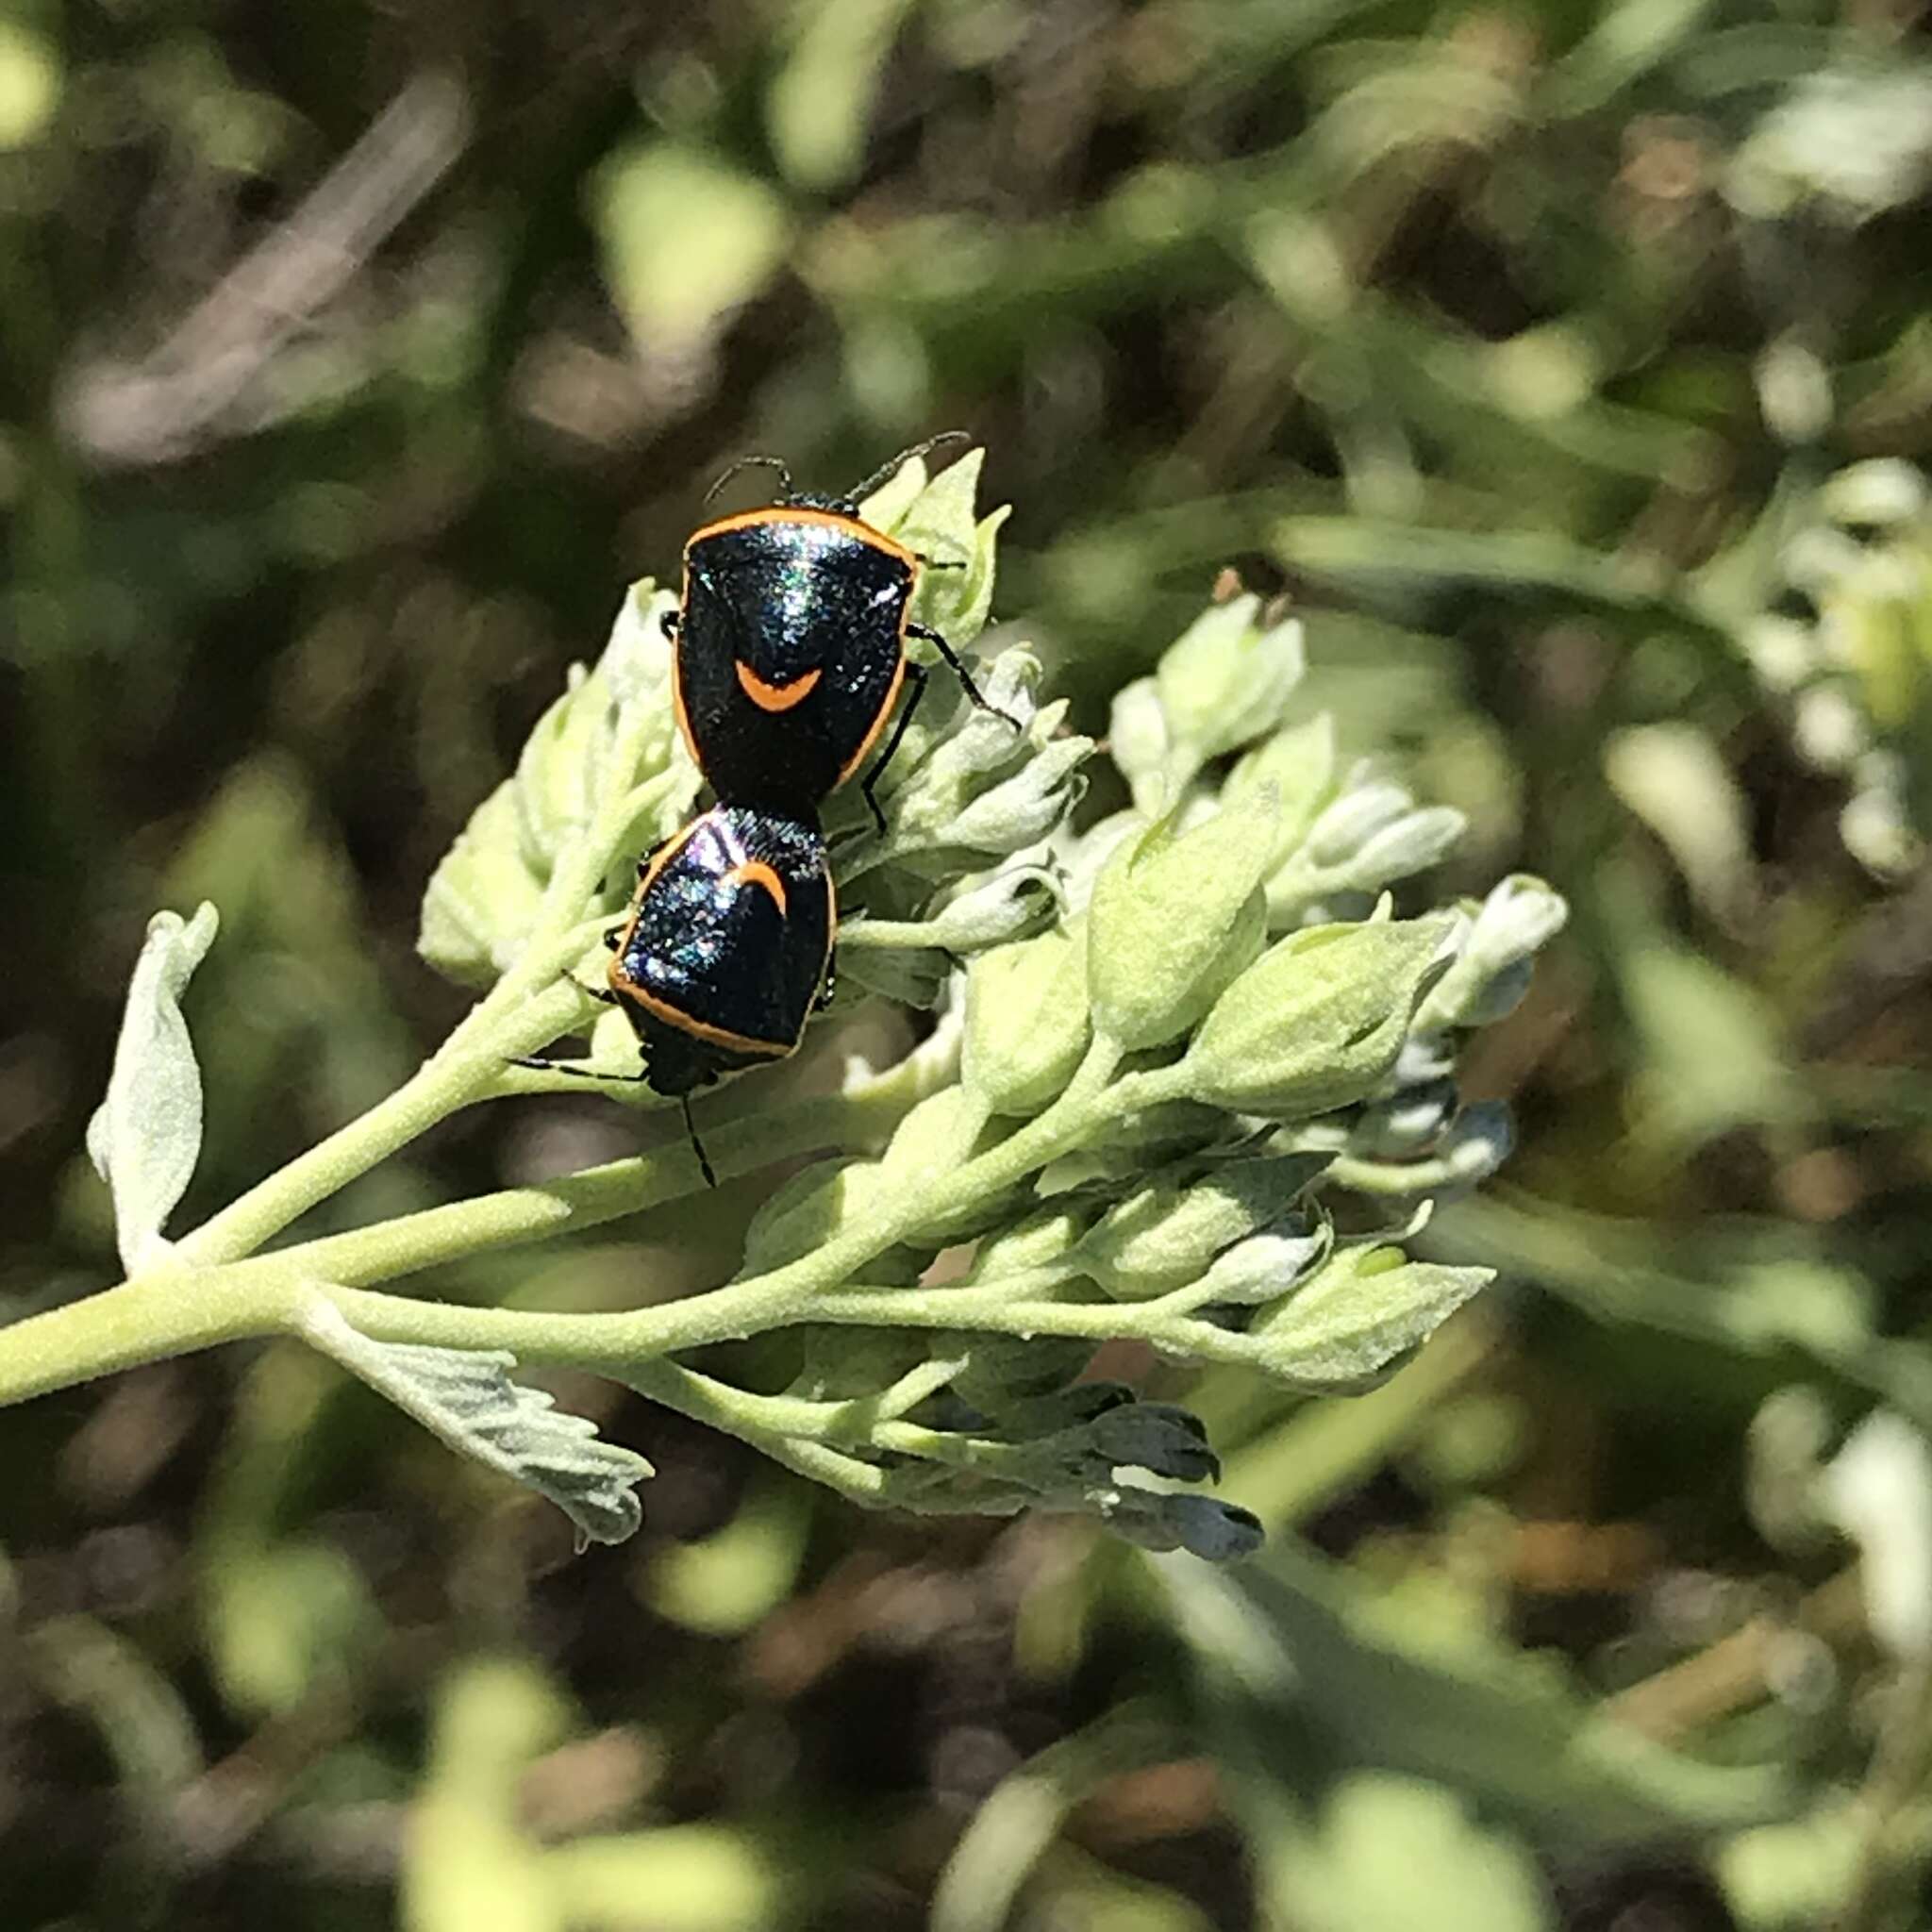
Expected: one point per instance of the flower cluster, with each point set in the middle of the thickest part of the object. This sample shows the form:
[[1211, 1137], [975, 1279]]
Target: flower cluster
[[1189, 1080], [1166, 1042]]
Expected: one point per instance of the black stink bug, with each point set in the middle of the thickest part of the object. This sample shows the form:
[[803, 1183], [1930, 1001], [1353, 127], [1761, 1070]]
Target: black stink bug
[[790, 644], [725, 949]]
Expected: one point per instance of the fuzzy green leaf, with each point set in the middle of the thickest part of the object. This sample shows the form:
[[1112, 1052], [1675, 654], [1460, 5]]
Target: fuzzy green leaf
[[466, 1398], [145, 1136], [939, 526]]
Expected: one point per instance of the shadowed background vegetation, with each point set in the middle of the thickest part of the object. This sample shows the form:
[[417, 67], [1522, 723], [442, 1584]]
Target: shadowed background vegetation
[[1566, 362]]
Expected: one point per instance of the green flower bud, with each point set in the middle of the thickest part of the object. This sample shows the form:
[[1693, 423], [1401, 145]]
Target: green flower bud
[[1216, 1532], [1023, 809], [1494, 950], [940, 1134], [1367, 806], [1037, 1242], [1318, 1020], [1026, 1022], [807, 1210], [1175, 919], [1226, 679], [1298, 763], [1369, 837], [1138, 741], [949, 756], [1413, 843], [1267, 1266], [826, 1200], [940, 522], [810, 1209], [934, 1139], [565, 766], [1162, 1439], [1166, 1234], [1356, 1320], [1001, 906], [612, 729]]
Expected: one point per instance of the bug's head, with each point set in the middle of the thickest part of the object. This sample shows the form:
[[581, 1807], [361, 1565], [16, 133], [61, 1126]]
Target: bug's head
[[812, 499]]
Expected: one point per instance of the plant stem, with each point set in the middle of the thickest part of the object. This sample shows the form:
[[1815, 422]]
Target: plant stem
[[167, 1312], [800, 1290], [182, 1307], [524, 1010], [461, 1072], [179, 1308]]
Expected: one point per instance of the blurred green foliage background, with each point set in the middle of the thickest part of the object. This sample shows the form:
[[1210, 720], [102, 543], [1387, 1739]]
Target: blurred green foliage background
[[1567, 363]]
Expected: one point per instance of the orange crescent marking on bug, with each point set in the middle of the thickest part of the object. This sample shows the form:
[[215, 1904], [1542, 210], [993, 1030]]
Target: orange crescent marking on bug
[[755, 872], [775, 697], [780, 513]]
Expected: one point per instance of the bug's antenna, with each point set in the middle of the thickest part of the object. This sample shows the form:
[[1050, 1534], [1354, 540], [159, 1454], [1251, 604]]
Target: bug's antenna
[[776, 464], [862, 490], [697, 1146]]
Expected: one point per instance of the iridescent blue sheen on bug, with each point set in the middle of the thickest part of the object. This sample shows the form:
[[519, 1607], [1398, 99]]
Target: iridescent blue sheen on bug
[[726, 946]]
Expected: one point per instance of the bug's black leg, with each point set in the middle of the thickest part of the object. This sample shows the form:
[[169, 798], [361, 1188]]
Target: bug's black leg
[[915, 677], [965, 677], [644, 863], [667, 622], [938, 563], [539, 1065], [614, 938], [697, 1146], [603, 997], [602, 994]]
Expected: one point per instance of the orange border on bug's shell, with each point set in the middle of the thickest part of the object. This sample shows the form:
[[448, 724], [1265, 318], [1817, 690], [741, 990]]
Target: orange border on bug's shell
[[878, 724], [702, 1029], [658, 860], [780, 514], [785, 513]]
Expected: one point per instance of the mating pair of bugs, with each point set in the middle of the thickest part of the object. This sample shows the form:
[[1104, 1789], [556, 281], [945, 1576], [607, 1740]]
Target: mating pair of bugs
[[788, 659]]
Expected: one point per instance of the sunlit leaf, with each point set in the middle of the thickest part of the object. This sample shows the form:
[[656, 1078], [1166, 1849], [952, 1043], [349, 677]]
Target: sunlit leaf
[[145, 1136]]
